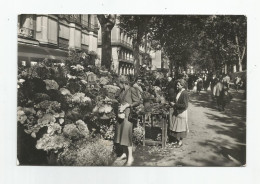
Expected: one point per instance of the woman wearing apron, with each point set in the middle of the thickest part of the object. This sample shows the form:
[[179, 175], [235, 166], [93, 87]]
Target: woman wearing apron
[[179, 124]]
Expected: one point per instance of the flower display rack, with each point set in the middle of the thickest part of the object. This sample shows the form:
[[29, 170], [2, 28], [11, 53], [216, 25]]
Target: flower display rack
[[152, 120]]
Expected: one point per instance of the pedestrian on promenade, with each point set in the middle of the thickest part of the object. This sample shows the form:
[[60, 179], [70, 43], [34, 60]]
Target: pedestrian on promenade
[[226, 81], [178, 126], [170, 89], [199, 84], [207, 82], [225, 97], [190, 82], [217, 92], [237, 83], [138, 87], [128, 98], [213, 82]]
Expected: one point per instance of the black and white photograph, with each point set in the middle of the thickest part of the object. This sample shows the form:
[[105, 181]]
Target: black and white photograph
[[131, 90], [112, 92]]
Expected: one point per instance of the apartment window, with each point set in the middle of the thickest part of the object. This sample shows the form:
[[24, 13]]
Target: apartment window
[[84, 20], [26, 25]]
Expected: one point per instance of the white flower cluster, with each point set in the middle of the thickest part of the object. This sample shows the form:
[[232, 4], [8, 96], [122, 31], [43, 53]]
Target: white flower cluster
[[103, 80], [112, 89], [77, 67], [65, 91], [104, 108], [51, 84], [52, 142], [75, 131], [80, 98]]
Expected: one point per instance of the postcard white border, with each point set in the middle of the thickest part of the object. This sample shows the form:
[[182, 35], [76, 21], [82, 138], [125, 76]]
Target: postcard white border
[[10, 173]]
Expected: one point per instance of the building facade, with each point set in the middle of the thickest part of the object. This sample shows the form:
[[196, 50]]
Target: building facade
[[50, 36], [122, 51]]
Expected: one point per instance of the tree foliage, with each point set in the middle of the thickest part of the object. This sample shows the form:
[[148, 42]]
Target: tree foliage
[[205, 42], [138, 27]]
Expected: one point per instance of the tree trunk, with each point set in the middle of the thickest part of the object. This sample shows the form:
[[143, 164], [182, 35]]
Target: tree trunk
[[239, 54], [106, 48], [136, 56], [141, 31], [107, 23], [240, 65], [171, 66]]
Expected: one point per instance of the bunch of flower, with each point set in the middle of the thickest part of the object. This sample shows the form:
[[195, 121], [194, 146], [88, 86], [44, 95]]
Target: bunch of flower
[[140, 109], [51, 84], [103, 107], [138, 135], [46, 104], [26, 116], [53, 142], [20, 82], [77, 67], [39, 70], [65, 91], [80, 98], [73, 86], [39, 97], [59, 109], [46, 120], [83, 129], [89, 152], [107, 132], [159, 108], [23, 113], [53, 127], [104, 80], [76, 131], [111, 90]]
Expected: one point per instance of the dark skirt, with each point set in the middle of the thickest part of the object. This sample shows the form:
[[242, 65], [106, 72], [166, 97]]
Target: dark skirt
[[199, 85], [124, 131], [178, 135]]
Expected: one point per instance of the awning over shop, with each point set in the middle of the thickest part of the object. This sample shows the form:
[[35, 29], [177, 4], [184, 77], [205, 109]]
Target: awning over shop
[[34, 53]]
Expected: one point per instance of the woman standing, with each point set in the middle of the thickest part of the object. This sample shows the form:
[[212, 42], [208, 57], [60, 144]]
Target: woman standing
[[179, 123], [128, 98], [218, 93], [199, 84]]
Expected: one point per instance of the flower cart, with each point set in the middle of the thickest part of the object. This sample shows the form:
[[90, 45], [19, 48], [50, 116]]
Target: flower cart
[[154, 118]]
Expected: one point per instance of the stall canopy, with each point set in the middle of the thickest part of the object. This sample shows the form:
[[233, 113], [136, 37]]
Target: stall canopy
[[34, 53]]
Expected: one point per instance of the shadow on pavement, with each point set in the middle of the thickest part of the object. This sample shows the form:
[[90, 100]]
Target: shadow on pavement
[[230, 123], [236, 108]]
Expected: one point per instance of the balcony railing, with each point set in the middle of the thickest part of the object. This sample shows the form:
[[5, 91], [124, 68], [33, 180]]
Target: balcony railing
[[126, 44], [71, 17], [26, 32], [127, 60], [86, 23]]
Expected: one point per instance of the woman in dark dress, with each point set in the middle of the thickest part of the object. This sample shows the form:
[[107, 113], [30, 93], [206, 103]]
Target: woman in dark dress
[[179, 122], [128, 98], [199, 84]]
